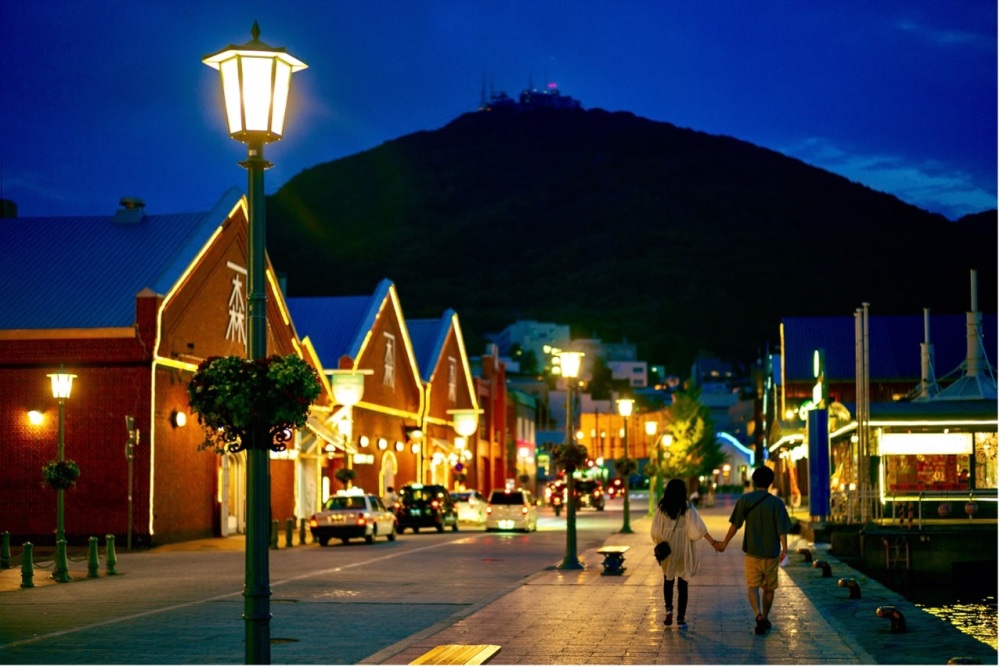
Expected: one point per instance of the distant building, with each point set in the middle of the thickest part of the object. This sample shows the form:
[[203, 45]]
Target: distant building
[[530, 99]]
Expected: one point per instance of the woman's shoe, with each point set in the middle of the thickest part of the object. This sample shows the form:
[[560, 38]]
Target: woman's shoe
[[669, 620], [682, 624]]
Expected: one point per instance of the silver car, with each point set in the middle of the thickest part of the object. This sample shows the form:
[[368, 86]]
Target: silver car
[[512, 510], [352, 514], [471, 506]]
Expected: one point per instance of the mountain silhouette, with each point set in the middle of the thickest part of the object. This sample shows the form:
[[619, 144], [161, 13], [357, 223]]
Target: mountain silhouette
[[622, 227]]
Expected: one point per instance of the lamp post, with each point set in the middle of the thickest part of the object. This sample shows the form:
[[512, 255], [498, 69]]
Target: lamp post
[[569, 362], [348, 389], [625, 410], [651, 427], [62, 385], [465, 421], [255, 81]]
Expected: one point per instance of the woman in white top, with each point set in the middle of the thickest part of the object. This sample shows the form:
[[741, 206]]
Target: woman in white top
[[677, 522]]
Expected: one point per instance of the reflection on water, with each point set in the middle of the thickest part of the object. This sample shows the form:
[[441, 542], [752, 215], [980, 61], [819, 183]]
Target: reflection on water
[[969, 602], [976, 619]]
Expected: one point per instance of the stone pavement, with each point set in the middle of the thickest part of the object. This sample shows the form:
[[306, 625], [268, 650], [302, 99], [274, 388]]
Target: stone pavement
[[562, 617], [554, 617]]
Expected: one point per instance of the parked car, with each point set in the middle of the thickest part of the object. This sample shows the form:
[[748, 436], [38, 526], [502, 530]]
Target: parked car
[[471, 506], [425, 506], [590, 493], [352, 514], [511, 510]]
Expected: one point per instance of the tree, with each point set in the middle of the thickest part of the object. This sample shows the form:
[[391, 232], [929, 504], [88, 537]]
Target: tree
[[694, 449]]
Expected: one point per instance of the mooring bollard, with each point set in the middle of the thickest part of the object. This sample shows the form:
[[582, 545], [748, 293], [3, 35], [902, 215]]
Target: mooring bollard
[[852, 586], [822, 564], [28, 566], [896, 618], [93, 564], [111, 558], [807, 555], [289, 527], [302, 531], [61, 570], [4, 550], [274, 534]]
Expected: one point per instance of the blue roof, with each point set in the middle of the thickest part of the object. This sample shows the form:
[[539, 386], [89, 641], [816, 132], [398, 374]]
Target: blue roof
[[894, 345], [428, 337], [336, 325], [85, 272]]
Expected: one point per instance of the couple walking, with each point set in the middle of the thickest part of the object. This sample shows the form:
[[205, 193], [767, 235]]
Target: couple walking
[[765, 544]]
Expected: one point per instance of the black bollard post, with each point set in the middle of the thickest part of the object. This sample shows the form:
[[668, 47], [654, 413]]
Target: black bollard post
[[28, 566], [289, 527], [93, 564], [111, 560], [4, 550]]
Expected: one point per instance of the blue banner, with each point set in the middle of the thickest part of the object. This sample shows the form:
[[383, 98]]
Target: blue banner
[[819, 463]]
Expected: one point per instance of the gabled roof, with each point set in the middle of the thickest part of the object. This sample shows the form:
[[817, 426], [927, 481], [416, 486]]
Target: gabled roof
[[341, 325], [429, 337], [332, 324], [894, 345], [85, 272]]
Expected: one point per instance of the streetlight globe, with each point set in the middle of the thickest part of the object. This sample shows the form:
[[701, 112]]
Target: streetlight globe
[[466, 421], [625, 406], [651, 427], [348, 386], [256, 79]]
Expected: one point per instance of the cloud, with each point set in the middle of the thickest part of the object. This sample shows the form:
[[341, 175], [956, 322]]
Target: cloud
[[929, 184], [942, 37]]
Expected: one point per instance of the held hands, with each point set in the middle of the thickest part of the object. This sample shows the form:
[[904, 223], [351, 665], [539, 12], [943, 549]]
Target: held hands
[[720, 546]]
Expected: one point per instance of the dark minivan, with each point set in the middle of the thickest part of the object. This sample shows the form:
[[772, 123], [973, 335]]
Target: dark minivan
[[425, 506]]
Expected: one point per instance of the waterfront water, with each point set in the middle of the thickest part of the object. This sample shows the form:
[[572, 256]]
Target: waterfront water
[[969, 604]]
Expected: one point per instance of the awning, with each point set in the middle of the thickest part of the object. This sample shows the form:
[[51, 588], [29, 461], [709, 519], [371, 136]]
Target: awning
[[324, 435]]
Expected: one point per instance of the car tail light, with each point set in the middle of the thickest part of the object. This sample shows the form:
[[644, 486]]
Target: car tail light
[[524, 510], [489, 509], [362, 520], [435, 504], [313, 522]]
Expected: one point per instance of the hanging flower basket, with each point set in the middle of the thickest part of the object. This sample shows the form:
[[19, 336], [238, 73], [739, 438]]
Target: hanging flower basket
[[61, 475], [626, 467], [570, 457], [345, 475], [234, 397]]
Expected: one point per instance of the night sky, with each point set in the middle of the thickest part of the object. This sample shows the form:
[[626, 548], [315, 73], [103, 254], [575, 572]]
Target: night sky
[[100, 100]]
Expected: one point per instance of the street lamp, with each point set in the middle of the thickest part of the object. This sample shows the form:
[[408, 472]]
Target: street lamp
[[569, 363], [651, 427], [625, 410], [465, 421], [62, 385], [255, 81]]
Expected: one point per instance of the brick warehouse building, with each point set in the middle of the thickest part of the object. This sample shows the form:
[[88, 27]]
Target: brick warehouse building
[[130, 303], [401, 430]]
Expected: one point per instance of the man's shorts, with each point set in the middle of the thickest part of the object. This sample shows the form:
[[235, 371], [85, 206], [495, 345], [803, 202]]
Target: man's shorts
[[761, 572]]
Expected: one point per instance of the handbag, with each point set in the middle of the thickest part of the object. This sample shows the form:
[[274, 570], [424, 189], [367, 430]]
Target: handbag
[[662, 549]]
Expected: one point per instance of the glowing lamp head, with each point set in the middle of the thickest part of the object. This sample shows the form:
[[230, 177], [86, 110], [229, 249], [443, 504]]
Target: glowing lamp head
[[625, 406], [651, 427], [466, 421], [256, 79], [348, 386], [62, 384], [569, 362]]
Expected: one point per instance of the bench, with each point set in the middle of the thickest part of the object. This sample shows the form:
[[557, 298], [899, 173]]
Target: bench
[[458, 654], [614, 559]]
